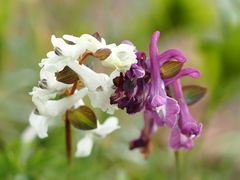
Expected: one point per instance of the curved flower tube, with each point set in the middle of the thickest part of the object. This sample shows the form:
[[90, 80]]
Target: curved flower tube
[[171, 54], [194, 73], [187, 128], [157, 96]]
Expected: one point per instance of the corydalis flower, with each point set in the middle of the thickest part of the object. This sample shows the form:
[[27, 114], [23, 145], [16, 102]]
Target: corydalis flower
[[65, 80], [186, 128], [143, 88]]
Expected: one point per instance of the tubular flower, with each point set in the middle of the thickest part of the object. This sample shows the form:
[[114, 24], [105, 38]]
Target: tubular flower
[[65, 81], [144, 88], [186, 128]]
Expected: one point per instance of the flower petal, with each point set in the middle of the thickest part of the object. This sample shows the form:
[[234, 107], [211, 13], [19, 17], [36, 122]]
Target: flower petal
[[40, 124], [122, 57], [48, 73], [178, 140], [99, 86], [110, 125], [194, 73], [172, 110], [84, 146], [171, 54], [72, 51], [57, 107]]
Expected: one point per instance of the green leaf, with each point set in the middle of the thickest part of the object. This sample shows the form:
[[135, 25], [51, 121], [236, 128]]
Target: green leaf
[[102, 54], [193, 93], [67, 76], [83, 118], [170, 69]]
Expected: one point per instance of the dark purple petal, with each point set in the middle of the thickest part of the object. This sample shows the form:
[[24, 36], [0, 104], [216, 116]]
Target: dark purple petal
[[136, 71], [141, 55], [171, 54], [194, 73]]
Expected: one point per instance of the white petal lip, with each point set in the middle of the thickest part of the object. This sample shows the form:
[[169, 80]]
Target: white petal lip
[[110, 125], [99, 86], [40, 124], [54, 108], [84, 146], [57, 107]]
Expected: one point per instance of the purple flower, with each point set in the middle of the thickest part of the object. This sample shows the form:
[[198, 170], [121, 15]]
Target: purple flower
[[187, 128], [132, 87], [142, 88]]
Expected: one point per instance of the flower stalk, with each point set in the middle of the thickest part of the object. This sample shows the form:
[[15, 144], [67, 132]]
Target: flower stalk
[[68, 136], [177, 165]]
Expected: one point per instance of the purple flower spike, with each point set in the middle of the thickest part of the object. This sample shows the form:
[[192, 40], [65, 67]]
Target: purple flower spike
[[194, 73], [187, 126], [157, 95], [171, 54], [141, 88]]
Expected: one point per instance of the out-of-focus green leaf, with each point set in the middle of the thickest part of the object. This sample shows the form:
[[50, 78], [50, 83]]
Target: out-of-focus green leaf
[[193, 93]]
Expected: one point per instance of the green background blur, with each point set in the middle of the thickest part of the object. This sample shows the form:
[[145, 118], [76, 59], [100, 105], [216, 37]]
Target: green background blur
[[208, 32]]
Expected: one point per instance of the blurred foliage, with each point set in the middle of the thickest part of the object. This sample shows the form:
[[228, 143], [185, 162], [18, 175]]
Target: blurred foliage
[[207, 31]]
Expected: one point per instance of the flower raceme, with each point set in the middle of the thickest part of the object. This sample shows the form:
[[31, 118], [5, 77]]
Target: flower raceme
[[145, 88], [137, 83], [65, 81]]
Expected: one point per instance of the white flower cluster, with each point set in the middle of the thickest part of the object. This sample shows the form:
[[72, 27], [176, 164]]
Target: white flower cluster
[[97, 86]]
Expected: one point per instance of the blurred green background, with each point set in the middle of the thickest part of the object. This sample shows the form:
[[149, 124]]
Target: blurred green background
[[208, 32]]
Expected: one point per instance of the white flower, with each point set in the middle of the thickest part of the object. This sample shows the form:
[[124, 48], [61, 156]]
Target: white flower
[[99, 86], [42, 100], [40, 124], [84, 146], [66, 50], [122, 57], [47, 73], [47, 108]]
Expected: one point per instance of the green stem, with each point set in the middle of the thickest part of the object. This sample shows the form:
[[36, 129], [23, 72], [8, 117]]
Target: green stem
[[177, 164]]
